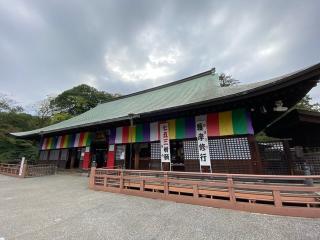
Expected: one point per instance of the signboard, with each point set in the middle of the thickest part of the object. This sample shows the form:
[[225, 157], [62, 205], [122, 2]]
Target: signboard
[[111, 148], [202, 140], [165, 143]]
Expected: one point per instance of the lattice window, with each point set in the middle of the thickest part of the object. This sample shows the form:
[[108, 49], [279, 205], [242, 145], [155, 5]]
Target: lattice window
[[190, 149], [44, 155], [217, 149], [64, 154], [238, 148], [229, 148], [271, 146], [155, 150], [54, 155], [273, 157]]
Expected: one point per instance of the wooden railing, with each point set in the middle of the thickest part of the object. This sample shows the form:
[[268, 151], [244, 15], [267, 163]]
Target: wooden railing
[[28, 170], [280, 195], [9, 169]]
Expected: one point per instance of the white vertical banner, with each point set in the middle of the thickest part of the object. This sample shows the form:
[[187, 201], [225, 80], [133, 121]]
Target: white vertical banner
[[21, 165], [165, 143], [202, 140]]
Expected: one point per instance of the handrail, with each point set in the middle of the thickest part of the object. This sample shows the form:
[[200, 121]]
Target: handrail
[[9, 164], [280, 177], [234, 191], [215, 184]]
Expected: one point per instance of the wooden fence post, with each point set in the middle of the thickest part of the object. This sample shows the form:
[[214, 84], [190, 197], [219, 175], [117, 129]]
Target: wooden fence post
[[195, 191], [165, 184], [105, 181], [92, 176], [231, 190], [121, 179], [277, 198], [142, 185]]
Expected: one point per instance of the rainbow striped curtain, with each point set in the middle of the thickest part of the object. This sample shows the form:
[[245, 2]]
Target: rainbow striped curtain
[[235, 122], [67, 141]]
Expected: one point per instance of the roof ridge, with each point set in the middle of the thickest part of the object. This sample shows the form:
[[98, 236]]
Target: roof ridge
[[206, 73]]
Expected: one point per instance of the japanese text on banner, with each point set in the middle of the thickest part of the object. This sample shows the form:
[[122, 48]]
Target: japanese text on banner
[[165, 142], [202, 140]]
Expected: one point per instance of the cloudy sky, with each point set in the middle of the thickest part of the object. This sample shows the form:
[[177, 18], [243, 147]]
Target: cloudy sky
[[119, 46]]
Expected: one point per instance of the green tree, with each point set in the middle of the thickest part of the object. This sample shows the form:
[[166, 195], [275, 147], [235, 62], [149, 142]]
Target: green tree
[[11, 147], [48, 111], [79, 99], [306, 103], [59, 117], [227, 80]]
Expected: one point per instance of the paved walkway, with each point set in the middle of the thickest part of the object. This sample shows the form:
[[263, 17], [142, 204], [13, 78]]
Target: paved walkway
[[62, 207]]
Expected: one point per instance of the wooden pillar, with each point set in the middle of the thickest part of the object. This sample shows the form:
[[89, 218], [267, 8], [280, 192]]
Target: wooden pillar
[[73, 157], [288, 157], [256, 161], [86, 159], [136, 156], [110, 156]]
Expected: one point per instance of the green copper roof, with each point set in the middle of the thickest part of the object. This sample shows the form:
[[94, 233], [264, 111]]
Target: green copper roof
[[193, 90]]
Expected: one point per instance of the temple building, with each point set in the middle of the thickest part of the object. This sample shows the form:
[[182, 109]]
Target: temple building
[[192, 124]]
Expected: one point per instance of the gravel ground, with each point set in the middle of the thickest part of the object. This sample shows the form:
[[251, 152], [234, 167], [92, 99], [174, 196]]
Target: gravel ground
[[62, 207]]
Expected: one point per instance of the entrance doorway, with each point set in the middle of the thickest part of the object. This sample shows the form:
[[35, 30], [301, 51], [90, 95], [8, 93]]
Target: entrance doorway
[[177, 156], [142, 156], [100, 155], [74, 158], [99, 148]]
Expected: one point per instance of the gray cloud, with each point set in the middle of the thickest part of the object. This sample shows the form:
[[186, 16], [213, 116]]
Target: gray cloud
[[124, 46]]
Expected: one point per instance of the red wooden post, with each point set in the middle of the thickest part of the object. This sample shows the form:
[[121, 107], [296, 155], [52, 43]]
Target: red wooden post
[[231, 189], [142, 182], [195, 191], [86, 159], [277, 198], [105, 181], [121, 179], [92, 176], [110, 157], [165, 183]]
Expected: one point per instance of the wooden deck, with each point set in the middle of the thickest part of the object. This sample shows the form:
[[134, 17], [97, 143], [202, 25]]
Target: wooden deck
[[279, 195]]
